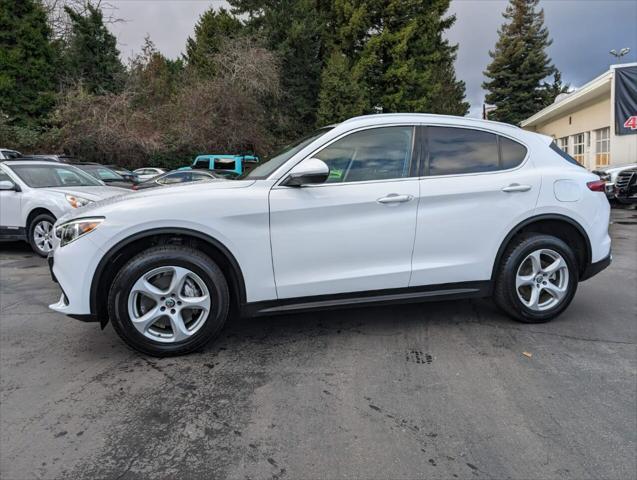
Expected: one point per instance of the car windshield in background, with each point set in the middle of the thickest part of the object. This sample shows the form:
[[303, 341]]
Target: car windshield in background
[[11, 154], [101, 172], [270, 165], [42, 176]]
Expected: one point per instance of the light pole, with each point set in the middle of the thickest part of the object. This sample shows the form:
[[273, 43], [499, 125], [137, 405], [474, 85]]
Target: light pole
[[620, 54]]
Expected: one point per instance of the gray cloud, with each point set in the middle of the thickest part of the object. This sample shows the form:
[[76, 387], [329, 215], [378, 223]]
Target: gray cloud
[[583, 32]]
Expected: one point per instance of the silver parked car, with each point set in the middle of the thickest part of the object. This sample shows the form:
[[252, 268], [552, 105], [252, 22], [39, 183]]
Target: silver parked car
[[35, 193]]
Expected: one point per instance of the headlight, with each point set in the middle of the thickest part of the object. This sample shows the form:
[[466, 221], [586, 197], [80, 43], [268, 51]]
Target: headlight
[[74, 229], [77, 202]]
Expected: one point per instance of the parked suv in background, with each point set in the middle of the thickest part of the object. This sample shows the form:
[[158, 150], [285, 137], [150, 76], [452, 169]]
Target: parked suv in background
[[609, 175], [378, 209], [34, 193], [626, 186]]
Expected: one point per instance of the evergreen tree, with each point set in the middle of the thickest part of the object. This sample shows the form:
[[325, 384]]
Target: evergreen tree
[[341, 96], [91, 55], [153, 77], [211, 30], [520, 64], [295, 30], [27, 63], [555, 88], [406, 63]]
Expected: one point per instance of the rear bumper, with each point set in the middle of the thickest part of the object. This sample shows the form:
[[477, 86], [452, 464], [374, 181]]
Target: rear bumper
[[594, 268]]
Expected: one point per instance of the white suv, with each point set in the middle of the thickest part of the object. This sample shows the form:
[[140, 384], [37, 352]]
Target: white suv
[[378, 209], [33, 194]]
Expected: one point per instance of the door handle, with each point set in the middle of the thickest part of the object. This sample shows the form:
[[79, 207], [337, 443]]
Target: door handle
[[395, 198], [516, 187]]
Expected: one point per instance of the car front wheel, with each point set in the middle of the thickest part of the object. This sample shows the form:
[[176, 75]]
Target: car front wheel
[[40, 234], [169, 300], [537, 278]]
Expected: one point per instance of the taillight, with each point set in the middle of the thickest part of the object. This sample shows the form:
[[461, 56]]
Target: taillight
[[596, 186]]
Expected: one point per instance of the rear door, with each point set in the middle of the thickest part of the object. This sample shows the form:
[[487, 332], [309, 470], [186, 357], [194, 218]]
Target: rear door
[[356, 231], [476, 186]]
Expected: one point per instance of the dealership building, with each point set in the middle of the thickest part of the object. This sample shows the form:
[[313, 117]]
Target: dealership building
[[597, 123]]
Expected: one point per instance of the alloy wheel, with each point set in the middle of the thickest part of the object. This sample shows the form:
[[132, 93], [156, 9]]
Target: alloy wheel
[[542, 280], [169, 304], [43, 236]]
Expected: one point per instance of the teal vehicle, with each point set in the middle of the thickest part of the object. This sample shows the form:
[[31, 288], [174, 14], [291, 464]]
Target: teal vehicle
[[230, 166]]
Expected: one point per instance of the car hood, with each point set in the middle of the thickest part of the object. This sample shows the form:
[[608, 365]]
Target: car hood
[[90, 193], [617, 168], [155, 195]]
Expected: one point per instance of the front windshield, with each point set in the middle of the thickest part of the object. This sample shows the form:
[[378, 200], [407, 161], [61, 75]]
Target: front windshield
[[270, 165], [54, 175]]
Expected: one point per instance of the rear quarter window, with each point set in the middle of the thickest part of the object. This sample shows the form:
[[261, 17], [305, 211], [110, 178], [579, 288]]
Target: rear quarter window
[[565, 155], [512, 153]]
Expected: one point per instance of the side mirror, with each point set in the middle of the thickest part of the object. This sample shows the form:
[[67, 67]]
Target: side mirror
[[7, 185], [311, 171]]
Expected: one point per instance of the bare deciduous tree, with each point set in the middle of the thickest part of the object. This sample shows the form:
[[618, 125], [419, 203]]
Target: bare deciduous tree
[[59, 19], [222, 113]]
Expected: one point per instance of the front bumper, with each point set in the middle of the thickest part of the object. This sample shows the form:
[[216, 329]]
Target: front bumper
[[73, 267], [62, 305], [594, 268]]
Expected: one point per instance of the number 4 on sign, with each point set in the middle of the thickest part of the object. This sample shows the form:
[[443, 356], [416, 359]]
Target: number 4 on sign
[[631, 123]]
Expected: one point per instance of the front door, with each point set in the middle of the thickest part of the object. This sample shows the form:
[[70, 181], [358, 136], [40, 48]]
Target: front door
[[356, 231]]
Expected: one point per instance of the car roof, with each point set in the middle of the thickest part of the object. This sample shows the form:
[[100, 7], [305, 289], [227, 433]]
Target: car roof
[[426, 117], [27, 161], [438, 120]]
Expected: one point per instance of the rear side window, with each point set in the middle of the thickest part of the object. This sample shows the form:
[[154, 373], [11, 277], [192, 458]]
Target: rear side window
[[511, 153], [455, 151], [564, 155], [4, 177], [202, 163], [460, 150]]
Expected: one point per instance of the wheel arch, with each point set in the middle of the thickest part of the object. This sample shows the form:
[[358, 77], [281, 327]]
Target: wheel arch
[[560, 226], [126, 249], [34, 213]]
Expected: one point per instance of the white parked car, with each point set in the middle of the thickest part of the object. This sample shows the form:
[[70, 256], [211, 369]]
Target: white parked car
[[33, 194], [378, 209], [147, 173]]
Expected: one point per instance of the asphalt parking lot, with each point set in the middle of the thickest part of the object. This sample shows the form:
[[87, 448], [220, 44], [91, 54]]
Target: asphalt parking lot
[[436, 390]]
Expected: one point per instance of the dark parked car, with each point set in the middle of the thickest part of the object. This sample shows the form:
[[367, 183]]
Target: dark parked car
[[177, 176], [105, 174], [626, 186], [124, 172]]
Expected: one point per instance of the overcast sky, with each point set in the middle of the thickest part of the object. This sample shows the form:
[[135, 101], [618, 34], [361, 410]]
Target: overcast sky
[[583, 32]]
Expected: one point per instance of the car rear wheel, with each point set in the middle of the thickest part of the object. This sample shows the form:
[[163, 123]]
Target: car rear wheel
[[537, 278], [40, 234], [168, 301]]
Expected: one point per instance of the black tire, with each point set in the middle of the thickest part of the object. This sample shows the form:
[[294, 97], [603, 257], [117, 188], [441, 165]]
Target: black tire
[[43, 217], [505, 294], [204, 267]]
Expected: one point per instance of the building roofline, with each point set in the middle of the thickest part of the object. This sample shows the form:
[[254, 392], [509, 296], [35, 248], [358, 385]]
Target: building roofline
[[588, 90]]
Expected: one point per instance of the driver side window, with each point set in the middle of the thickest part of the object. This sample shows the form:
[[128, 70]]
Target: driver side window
[[374, 154]]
